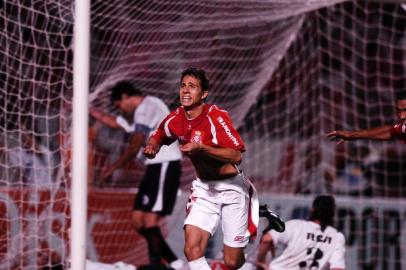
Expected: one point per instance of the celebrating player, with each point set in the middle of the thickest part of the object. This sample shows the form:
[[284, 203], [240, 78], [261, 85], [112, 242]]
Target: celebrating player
[[385, 132], [220, 192], [310, 245]]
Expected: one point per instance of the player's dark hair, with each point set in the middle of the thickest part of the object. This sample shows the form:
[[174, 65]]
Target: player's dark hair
[[324, 207], [121, 88], [400, 95], [199, 74]]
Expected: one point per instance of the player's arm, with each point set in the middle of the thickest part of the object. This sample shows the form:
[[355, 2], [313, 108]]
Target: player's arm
[[161, 136], [105, 118], [136, 141], [265, 245], [152, 148], [224, 154], [378, 133]]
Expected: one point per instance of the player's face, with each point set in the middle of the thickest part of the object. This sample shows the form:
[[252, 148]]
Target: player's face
[[401, 109], [191, 93], [124, 104]]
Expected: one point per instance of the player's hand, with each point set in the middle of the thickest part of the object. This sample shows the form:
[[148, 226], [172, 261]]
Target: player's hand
[[150, 151], [106, 175], [95, 113], [190, 148], [339, 136]]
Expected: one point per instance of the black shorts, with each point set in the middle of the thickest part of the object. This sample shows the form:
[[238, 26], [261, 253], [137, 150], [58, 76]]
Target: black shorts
[[159, 187]]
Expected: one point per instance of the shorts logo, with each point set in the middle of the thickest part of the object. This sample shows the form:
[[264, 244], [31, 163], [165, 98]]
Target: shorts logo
[[239, 238]]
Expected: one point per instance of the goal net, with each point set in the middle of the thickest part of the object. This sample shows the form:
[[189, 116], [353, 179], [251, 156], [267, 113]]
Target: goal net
[[288, 72]]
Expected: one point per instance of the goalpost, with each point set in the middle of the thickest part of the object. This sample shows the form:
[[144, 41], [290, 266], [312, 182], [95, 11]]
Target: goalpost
[[287, 71], [81, 74]]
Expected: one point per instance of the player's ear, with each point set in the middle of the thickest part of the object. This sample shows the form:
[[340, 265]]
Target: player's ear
[[205, 93]]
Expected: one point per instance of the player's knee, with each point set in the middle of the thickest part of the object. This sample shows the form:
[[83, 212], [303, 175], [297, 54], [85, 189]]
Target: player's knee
[[234, 262], [193, 252], [138, 223]]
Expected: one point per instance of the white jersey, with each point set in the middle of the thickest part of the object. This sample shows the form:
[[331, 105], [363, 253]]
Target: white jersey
[[149, 114], [309, 248]]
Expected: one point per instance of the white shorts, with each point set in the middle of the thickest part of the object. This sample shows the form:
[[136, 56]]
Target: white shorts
[[234, 201]]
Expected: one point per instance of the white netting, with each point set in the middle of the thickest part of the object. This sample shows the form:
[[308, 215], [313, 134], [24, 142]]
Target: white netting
[[287, 71]]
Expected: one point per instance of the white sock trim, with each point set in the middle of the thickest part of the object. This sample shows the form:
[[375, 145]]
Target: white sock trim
[[199, 264]]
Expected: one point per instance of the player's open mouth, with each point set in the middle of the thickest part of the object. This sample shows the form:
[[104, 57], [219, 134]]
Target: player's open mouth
[[186, 98]]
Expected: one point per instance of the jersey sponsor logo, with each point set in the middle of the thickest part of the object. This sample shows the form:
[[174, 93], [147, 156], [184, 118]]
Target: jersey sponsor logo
[[318, 238], [228, 131]]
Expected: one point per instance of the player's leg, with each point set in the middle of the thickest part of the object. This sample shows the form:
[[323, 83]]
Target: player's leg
[[239, 221], [196, 241], [203, 215]]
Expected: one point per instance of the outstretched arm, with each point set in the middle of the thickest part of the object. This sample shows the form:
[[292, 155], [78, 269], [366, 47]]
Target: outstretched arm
[[378, 133], [105, 118]]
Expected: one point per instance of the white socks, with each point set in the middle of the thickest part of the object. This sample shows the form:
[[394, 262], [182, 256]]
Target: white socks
[[199, 264]]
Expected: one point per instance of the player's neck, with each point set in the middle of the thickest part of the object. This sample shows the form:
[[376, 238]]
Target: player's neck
[[193, 112]]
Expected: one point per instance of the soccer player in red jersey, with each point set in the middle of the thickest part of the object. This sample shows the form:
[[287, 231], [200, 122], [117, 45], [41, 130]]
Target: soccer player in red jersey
[[385, 132], [220, 192]]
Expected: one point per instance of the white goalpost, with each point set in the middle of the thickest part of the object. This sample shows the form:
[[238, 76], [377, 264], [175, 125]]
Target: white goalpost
[[81, 85]]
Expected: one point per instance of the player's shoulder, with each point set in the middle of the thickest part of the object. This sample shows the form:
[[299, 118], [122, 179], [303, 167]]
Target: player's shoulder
[[337, 235], [177, 113], [294, 222], [214, 110]]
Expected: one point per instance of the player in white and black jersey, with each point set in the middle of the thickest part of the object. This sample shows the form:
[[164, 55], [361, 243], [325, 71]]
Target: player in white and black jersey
[[158, 189], [310, 244]]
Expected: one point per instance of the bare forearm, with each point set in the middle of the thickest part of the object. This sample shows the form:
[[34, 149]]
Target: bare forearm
[[135, 144], [227, 155], [106, 119], [379, 133]]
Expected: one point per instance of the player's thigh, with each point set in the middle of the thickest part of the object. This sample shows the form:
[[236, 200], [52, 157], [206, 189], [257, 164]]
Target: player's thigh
[[235, 220], [148, 191]]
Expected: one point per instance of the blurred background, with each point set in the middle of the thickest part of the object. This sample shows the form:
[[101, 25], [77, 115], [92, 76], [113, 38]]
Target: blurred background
[[288, 72]]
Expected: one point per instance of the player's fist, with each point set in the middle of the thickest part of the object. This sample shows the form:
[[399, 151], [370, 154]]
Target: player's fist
[[150, 151]]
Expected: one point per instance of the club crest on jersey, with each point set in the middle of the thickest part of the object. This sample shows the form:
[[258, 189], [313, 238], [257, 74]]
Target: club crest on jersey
[[197, 136]]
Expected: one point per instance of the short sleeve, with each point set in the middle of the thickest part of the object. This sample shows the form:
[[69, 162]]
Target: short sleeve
[[338, 257], [227, 135], [398, 131], [129, 128], [148, 116], [162, 134]]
